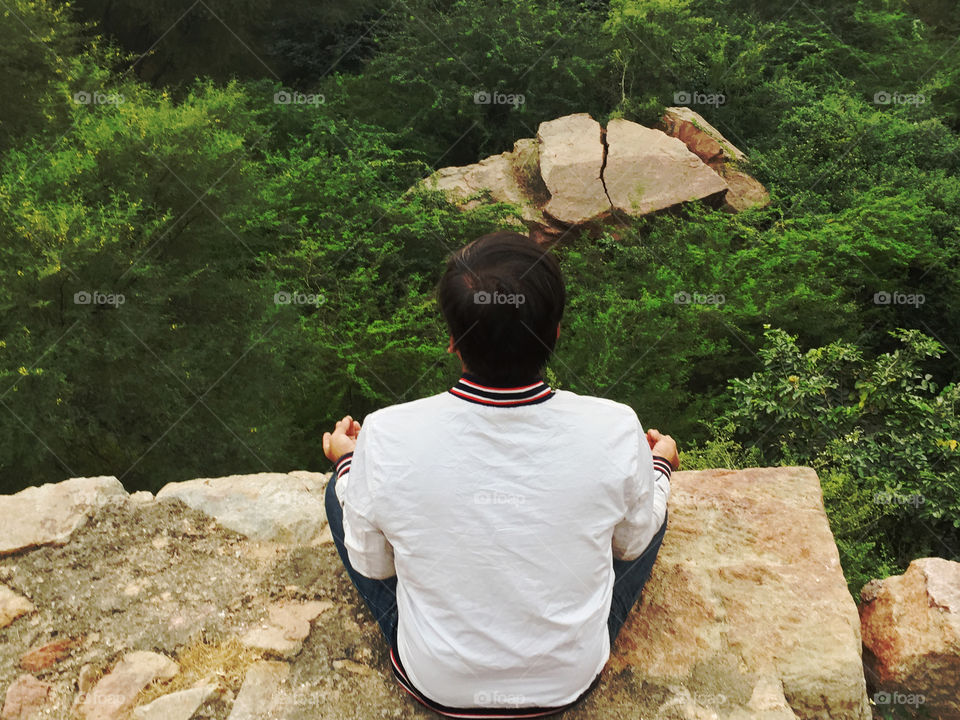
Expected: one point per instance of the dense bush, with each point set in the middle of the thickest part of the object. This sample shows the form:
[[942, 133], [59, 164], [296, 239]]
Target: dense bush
[[883, 433]]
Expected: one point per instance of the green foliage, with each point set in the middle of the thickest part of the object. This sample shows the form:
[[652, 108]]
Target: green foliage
[[443, 67], [885, 434]]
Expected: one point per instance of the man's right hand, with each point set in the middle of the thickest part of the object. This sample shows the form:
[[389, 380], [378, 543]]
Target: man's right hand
[[664, 446]]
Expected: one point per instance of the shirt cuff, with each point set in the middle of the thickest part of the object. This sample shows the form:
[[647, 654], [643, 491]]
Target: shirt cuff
[[662, 465], [342, 466]]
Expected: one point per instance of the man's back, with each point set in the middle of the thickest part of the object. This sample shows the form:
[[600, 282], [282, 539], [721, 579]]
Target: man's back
[[501, 520]]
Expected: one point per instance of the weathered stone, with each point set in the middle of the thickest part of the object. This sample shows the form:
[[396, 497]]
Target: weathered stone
[[45, 656], [745, 191], [747, 605], [49, 514], [12, 606], [181, 705], [278, 507], [286, 627], [141, 496], [700, 137], [260, 694], [25, 698], [564, 177], [114, 696], [352, 666], [911, 639], [571, 165], [707, 143], [647, 170], [511, 177]]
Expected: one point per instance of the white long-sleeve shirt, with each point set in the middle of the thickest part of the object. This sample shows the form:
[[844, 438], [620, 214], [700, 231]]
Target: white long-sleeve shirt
[[500, 511]]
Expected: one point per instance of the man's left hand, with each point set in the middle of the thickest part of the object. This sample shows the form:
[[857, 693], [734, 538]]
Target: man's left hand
[[342, 440]]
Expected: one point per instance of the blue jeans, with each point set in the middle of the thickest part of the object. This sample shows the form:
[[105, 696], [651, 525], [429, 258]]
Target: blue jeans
[[380, 596]]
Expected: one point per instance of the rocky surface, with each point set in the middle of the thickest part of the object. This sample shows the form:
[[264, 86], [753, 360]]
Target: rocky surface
[[746, 615], [279, 507], [115, 695], [576, 173], [911, 638], [49, 514]]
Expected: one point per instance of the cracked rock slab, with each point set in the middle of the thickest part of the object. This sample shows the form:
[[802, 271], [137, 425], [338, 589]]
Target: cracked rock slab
[[511, 177], [700, 137], [571, 165], [647, 170]]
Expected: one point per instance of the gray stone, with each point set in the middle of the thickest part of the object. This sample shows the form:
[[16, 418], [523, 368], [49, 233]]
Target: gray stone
[[260, 694], [279, 507], [49, 514], [571, 162], [181, 705], [114, 696], [287, 625], [647, 170]]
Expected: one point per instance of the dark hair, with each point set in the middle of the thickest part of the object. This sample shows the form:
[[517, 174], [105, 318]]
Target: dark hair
[[502, 297]]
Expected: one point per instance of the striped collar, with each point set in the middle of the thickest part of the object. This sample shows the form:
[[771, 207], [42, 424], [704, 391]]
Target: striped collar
[[471, 388]]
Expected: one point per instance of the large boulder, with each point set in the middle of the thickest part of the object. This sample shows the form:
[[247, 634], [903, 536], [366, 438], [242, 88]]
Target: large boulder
[[708, 144], [280, 507], [575, 173], [911, 638], [50, 514], [747, 613], [647, 170]]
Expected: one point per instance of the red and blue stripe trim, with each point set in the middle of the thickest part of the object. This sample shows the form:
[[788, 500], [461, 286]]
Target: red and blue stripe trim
[[472, 389]]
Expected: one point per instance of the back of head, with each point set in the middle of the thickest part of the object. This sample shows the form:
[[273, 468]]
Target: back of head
[[503, 297]]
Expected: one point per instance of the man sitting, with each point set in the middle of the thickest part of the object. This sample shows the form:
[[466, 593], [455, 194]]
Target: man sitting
[[501, 531]]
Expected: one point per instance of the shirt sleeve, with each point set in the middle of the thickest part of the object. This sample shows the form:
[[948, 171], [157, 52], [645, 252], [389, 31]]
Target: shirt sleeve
[[368, 549], [647, 493]]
